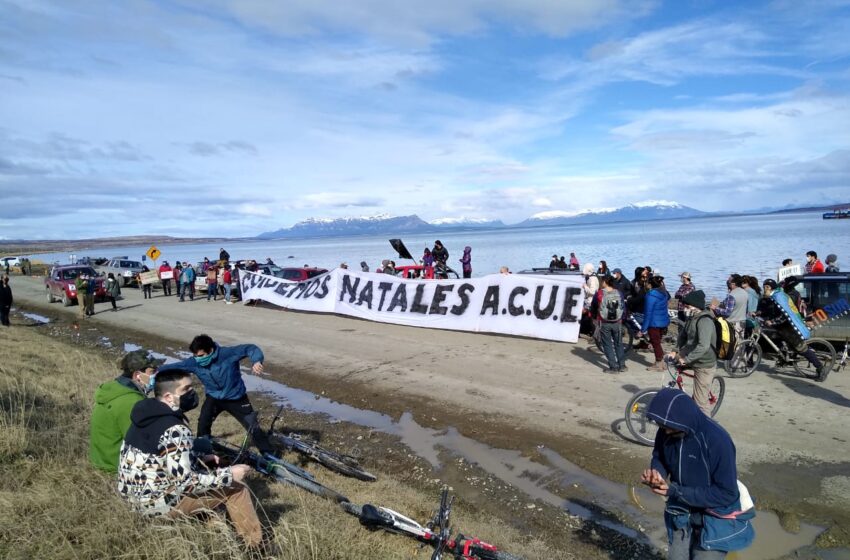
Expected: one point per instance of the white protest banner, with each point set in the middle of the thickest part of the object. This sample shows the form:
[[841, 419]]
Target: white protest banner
[[786, 271], [148, 277], [547, 307], [166, 274]]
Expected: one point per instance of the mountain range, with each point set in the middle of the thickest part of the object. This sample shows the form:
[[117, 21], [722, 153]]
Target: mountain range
[[384, 223]]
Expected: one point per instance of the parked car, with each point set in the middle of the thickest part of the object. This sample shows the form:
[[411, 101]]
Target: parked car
[[299, 274], [92, 261], [822, 290], [10, 261], [60, 283], [124, 269]]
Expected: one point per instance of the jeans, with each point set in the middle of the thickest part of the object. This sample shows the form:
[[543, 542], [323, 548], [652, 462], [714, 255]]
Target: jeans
[[166, 287], [655, 340], [611, 338], [212, 291], [684, 547], [227, 289], [240, 409]]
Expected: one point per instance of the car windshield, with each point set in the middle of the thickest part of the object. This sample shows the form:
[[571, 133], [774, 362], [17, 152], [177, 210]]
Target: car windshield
[[130, 264], [312, 273], [291, 274], [72, 273]]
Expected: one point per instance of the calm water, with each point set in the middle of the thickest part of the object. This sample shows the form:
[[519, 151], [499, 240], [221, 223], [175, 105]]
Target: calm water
[[709, 248]]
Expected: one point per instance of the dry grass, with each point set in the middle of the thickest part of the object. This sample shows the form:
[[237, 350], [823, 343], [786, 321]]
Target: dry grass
[[56, 506]]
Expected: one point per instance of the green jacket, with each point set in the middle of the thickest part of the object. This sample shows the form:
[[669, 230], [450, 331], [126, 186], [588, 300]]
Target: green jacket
[[110, 420], [698, 340]]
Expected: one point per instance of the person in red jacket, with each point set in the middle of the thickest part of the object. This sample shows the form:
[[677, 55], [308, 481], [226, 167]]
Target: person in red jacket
[[226, 279], [166, 282], [814, 266]]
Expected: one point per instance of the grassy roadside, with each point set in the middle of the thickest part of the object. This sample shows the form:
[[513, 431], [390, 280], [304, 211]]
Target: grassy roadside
[[56, 506]]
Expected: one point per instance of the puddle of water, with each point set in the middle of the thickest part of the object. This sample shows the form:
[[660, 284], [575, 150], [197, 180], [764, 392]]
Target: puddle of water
[[37, 318], [130, 347]]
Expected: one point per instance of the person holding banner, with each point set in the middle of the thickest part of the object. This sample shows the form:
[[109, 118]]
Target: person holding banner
[[147, 289], [165, 275]]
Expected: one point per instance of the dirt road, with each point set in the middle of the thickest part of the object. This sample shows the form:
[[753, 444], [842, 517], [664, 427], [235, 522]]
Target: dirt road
[[791, 434]]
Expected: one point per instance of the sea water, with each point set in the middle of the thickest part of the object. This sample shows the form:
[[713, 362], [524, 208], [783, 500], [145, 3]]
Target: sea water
[[709, 248]]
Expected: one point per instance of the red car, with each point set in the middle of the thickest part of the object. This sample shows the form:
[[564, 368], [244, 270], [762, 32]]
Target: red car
[[60, 283], [299, 274]]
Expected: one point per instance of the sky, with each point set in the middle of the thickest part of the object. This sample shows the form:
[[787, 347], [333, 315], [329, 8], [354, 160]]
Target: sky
[[235, 117]]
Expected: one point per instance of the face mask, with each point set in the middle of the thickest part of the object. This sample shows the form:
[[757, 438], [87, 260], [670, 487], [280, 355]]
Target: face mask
[[188, 401], [204, 361], [148, 387]]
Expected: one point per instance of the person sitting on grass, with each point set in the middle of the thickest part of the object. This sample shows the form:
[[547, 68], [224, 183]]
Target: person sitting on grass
[[161, 473], [113, 401]]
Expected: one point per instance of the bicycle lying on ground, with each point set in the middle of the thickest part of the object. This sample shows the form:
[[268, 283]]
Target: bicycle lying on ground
[[271, 466], [642, 428], [343, 464], [436, 533], [748, 354]]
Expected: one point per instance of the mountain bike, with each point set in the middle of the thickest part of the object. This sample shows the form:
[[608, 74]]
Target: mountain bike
[[748, 354], [436, 533], [273, 467], [641, 427], [343, 464]]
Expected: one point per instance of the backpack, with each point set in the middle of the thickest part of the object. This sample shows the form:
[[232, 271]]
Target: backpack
[[725, 338], [611, 307]]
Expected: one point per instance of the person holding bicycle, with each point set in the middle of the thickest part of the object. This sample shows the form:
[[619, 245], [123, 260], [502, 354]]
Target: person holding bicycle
[[708, 512], [696, 344], [774, 317]]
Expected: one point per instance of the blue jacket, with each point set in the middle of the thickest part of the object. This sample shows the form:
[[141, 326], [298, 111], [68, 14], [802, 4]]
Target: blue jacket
[[702, 473], [221, 378], [655, 310]]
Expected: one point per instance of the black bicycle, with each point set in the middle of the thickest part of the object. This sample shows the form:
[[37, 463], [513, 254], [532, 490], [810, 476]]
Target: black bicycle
[[273, 467], [436, 533], [343, 464]]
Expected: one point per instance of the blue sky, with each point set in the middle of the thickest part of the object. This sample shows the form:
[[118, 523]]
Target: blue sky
[[233, 117]]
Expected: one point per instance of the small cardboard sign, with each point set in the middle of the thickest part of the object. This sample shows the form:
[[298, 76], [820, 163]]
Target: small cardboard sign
[[785, 272], [148, 277], [166, 274]]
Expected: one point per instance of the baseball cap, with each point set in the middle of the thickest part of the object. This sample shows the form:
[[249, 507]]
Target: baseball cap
[[139, 360], [616, 271]]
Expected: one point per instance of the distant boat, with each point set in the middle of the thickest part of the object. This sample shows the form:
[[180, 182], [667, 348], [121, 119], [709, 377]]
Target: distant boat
[[837, 214]]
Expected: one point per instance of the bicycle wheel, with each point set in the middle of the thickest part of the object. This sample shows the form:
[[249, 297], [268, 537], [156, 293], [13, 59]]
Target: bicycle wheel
[[337, 462], [716, 392], [825, 353], [744, 360], [642, 428], [284, 475]]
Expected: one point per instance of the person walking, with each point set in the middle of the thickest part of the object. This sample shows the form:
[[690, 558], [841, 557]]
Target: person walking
[[160, 472], [696, 346], [166, 270], [91, 288], [466, 262], [212, 283], [218, 369], [113, 289], [621, 283], [708, 512], [611, 326], [5, 301], [656, 319], [227, 280], [686, 287], [81, 283], [187, 282]]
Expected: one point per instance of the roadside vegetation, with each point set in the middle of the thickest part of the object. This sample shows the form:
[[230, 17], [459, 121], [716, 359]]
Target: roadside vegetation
[[56, 506]]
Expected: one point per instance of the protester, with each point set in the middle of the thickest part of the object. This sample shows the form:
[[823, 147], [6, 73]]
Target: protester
[[813, 265], [574, 264], [734, 307], [440, 253], [427, 257], [91, 287], [553, 264], [5, 301], [832, 263], [187, 282], [166, 282], [776, 318], [591, 284], [603, 269], [505, 271], [364, 267], [685, 288], [656, 320], [113, 402], [223, 256], [81, 283], [178, 272], [562, 263], [227, 280], [787, 262], [160, 472], [205, 266], [113, 289], [212, 283], [466, 262], [270, 262], [707, 511], [218, 369], [621, 283], [750, 285], [343, 266], [696, 344], [610, 326]]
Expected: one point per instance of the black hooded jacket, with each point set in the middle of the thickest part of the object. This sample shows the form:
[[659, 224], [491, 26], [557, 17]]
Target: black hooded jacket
[[150, 419]]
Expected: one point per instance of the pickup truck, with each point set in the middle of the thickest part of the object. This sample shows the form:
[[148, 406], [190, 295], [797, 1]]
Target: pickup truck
[[124, 269], [60, 284]]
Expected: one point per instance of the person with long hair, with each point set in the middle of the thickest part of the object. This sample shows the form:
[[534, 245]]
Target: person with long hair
[[656, 319]]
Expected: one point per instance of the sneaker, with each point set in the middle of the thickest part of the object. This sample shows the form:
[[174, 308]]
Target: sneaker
[[610, 370], [624, 368], [823, 373], [229, 302]]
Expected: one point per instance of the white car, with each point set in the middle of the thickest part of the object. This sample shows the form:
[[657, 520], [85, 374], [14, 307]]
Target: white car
[[10, 261]]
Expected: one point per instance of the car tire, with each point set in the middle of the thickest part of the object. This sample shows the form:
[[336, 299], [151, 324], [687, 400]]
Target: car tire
[[50, 298], [66, 301]]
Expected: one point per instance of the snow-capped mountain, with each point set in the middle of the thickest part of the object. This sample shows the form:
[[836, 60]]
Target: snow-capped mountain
[[464, 222], [638, 211], [364, 225]]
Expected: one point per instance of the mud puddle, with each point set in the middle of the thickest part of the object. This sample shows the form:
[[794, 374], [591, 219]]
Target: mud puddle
[[591, 498]]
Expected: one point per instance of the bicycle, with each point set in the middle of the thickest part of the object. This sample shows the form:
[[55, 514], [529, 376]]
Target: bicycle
[[642, 428], [273, 467], [436, 533], [340, 463], [748, 354]]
